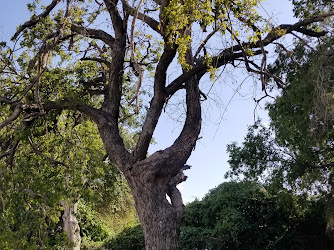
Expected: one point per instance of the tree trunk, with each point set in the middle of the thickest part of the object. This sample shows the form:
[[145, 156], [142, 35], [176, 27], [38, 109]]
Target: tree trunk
[[71, 225], [160, 220]]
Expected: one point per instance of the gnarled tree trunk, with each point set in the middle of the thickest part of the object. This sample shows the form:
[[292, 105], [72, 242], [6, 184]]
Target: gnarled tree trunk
[[160, 218]]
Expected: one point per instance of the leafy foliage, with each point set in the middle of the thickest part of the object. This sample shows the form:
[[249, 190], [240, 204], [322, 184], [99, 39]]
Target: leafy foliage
[[245, 216], [58, 159], [307, 8], [297, 149], [129, 238]]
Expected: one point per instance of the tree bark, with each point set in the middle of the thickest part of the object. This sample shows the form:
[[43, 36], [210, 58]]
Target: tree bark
[[71, 225], [160, 219]]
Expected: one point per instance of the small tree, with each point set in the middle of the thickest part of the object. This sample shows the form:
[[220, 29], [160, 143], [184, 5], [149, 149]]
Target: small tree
[[41, 79]]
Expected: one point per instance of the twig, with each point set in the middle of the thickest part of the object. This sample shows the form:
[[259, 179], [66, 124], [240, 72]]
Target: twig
[[204, 42]]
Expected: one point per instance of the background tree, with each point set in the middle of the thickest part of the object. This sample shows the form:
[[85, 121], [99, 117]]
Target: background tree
[[296, 151], [63, 34], [57, 164]]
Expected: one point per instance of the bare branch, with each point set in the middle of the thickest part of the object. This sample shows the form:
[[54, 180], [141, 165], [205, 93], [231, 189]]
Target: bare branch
[[50, 159], [4, 154], [11, 158], [32, 193], [278, 80], [205, 42], [303, 41]]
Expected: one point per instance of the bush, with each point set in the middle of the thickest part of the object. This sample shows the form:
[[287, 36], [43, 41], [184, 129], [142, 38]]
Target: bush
[[129, 239]]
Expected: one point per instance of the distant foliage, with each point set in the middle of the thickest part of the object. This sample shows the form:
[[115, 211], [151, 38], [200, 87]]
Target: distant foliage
[[244, 216], [130, 238]]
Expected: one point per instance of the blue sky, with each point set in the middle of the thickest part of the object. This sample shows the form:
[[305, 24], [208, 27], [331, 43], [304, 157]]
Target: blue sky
[[225, 116]]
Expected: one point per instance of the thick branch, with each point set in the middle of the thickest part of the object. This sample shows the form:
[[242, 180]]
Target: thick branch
[[227, 56], [172, 159], [5, 100], [96, 59], [91, 112], [13, 117], [299, 27], [157, 103], [36, 19], [181, 149], [109, 133], [175, 195], [93, 33], [146, 19], [117, 21], [312, 33], [108, 125], [33, 110]]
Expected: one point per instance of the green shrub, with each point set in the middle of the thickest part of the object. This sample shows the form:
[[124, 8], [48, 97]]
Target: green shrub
[[129, 239]]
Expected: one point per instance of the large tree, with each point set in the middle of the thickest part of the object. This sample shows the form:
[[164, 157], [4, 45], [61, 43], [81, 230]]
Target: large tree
[[38, 77]]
